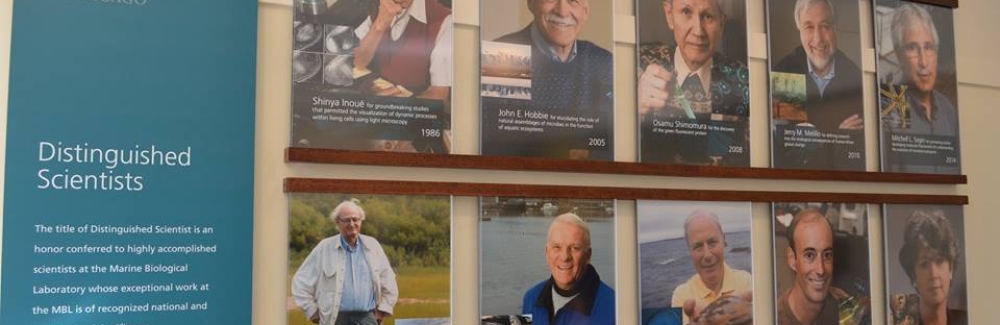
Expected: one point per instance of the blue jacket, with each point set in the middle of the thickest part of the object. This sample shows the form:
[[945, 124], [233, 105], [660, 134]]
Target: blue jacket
[[595, 305]]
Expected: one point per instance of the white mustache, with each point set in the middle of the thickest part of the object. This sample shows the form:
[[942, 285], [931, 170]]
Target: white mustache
[[568, 21]]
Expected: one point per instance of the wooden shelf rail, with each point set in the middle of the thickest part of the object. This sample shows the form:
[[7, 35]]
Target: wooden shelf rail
[[356, 186], [374, 158], [943, 3]]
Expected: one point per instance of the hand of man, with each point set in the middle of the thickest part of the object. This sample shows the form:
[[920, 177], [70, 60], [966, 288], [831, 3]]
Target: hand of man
[[734, 309], [387, 10], [383, 87], [653, 92], [691, 308], [387, 91], [379, 316], [853, 122], [315, 317]]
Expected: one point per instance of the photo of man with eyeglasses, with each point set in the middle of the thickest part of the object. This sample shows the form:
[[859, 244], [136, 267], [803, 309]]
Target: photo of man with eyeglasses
[[917, 100], [365, 291]]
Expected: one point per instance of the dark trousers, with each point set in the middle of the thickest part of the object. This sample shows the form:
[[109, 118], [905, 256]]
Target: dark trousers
[[356, 318]]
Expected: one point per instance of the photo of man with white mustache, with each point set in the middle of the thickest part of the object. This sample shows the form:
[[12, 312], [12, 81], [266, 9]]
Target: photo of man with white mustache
[[572, 75]]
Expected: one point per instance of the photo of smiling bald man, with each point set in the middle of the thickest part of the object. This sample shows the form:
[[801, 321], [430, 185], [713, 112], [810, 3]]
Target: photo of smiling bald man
[[547, 78], [821, 264], [816, 86]]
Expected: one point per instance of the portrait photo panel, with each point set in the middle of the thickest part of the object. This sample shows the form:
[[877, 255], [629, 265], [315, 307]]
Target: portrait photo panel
[[918, 88], [822, 268], [547, 79], [695, 262], [816, 85], [371, 75], [342, 246], [692, 92], [534, 251], [925, 264]]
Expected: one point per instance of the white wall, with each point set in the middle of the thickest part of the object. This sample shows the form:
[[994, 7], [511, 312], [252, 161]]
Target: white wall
[[978, 92]]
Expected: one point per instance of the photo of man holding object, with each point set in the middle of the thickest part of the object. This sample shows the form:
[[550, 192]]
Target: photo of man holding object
[[693, 90], [372, 75]]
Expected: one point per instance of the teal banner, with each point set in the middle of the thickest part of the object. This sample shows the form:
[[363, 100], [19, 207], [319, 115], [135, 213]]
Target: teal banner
[[128, 193]]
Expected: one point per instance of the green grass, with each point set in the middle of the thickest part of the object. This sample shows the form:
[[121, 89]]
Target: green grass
[[424, 283], [432, 310], [428, 284]]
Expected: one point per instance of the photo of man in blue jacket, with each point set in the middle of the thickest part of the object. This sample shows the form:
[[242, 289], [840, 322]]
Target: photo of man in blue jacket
[[574, 294]]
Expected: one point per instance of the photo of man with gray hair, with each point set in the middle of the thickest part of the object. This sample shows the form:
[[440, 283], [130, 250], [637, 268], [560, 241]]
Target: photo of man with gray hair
[[918, 87]]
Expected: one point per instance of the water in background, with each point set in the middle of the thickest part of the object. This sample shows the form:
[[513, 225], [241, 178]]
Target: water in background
[[513, 259], [665, 264]]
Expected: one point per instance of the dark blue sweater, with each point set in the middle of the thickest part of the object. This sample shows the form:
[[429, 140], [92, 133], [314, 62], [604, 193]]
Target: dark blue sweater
[[584, 83]]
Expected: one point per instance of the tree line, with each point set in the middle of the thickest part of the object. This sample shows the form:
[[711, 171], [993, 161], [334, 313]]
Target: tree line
[[413, 230]]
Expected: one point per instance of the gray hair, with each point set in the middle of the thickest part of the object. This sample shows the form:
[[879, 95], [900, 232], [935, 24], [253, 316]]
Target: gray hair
[[352, 203], [703, 213], [574, 220], [802, 5], [718, 3], [906, 15]]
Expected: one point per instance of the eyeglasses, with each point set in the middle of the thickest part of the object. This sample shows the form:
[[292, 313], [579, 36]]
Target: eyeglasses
[[349, 220], [913, 50]]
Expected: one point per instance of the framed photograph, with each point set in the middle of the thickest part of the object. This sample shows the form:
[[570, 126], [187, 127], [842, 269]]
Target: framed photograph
[[547, 73], [371, 75], [925, 264], [817, 94], [918, 88], [535, 253], [369, 258], [821, 263], [693, 92], [695, 262]]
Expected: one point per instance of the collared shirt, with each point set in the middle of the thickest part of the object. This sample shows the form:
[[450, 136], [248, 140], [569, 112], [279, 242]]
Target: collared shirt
[[943, 120], [545, 47], [318, 284], [941, 126], [733, 282], [358, 294], [823, 81], [684, 71]]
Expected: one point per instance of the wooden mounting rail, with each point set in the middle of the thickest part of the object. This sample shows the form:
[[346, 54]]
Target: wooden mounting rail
[[375, 158], [943, 3], [357, 186]]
